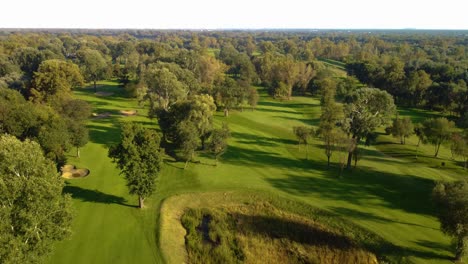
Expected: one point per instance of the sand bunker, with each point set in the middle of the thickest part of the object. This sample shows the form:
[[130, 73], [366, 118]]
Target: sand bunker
[[104, 93], [128, 112], [71, 172], [101, 115]]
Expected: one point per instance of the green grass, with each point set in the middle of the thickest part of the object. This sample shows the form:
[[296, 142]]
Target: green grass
[[387, 194]]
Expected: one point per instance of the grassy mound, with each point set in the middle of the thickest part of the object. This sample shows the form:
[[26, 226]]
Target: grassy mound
[[249, 234], [71, 172], [235, 229]]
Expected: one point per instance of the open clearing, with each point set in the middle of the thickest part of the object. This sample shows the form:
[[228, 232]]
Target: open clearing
[[388, 194]]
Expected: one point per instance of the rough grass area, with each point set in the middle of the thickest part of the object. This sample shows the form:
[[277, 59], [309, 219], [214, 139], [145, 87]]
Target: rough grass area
[[246, 234]]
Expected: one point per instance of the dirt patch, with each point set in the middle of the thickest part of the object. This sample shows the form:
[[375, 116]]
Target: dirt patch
[[104, 93], [101, 115], [128, 112], [71, 172]]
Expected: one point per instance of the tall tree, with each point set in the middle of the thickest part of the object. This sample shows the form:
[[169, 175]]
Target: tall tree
[[303, 135], [139, 158], [452, 204], [438, 131], [33, 211], [218, 143], [402, 128], [331, 113], [93, 65], [460, 146], [368, 109], [164, 88], [56, 78], [202, 109]]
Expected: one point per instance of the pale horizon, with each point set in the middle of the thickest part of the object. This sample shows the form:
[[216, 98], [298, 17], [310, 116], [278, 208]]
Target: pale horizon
[[242, 14]]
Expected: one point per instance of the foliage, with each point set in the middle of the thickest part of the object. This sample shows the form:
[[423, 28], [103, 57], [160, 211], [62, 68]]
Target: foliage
[[139, 158], [218, 144], [55, 78], [438, 131], [402, 128], [368, 109], [459, 146], [33, 211], [303, 135], [452, 203], [93, 65]]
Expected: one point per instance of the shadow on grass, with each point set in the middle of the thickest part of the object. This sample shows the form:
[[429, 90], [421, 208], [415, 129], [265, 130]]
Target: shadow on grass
[[369, 216], [245, 138], [95, 196], [306, 121], [281, 228], [257, 158], [437, 246], [405, 192]]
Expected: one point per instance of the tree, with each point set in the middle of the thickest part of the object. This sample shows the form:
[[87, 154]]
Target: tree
[[402, 128], [202, 109], [303, 135], [331, 113], [438, 131], [164, 88], [55, 78], [228, 94], [93, 65], [252, 97], [188, 140], [368, 109], [79, 135], [139, 158], [460, 146], [33, 211], [218, 143], [451, 200]]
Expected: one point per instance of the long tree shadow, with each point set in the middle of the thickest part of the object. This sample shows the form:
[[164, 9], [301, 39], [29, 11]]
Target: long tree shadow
[[94, 196], [369, 216], [405, 192], [431, 245], [257, 158], [281, 228], [246, 138]]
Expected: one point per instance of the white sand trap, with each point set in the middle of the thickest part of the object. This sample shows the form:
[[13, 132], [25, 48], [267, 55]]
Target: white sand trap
[[71, 172], [128, 112], [104, 93], [102, 115]]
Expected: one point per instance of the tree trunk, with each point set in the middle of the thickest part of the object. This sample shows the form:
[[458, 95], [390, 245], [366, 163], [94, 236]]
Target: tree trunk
[[437, 150], [216, 160], [186, 163], [78, 152], [350, 159], [140, 202], [226, 112], [95, 87], [461, 250], [328, 161]]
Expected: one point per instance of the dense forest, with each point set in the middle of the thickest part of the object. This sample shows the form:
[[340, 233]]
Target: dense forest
[[182, 78]]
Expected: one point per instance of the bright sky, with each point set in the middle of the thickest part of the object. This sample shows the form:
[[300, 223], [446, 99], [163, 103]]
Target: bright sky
[[217, 14]]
